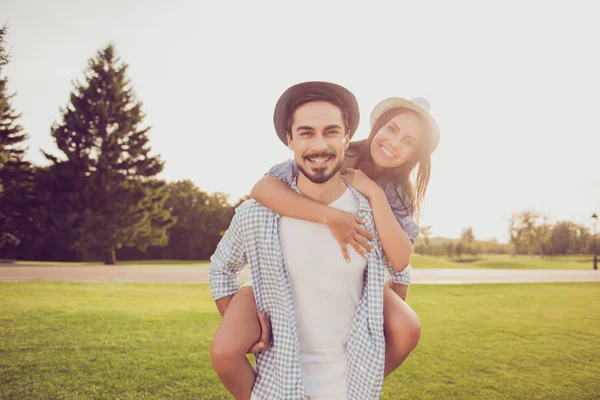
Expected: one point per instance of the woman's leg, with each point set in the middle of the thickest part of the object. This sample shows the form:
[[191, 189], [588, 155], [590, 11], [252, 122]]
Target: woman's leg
[[239, 330], [401, 327]]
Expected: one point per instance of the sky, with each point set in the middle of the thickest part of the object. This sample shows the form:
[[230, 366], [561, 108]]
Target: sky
[[514, 87]]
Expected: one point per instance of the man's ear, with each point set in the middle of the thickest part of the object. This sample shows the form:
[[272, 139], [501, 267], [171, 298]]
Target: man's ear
[[290, 144], [346, 141]]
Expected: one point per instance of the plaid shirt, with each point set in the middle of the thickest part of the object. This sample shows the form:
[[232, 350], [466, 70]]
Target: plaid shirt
[[253, 238]]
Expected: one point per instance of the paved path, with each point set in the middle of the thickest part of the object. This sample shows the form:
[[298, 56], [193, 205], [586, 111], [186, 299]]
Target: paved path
[[200, 274]]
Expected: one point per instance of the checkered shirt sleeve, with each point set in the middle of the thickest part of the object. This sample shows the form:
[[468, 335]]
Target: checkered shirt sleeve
[[403, 277], [228, 261]]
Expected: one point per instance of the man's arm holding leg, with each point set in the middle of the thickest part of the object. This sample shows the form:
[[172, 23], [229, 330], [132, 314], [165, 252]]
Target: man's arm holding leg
[[240, 327], [226, 265]]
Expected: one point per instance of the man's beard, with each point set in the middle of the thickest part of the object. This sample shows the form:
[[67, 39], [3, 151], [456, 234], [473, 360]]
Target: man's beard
[[320, 175]]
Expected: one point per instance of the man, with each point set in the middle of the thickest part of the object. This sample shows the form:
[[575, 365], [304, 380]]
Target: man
[[326, 314]]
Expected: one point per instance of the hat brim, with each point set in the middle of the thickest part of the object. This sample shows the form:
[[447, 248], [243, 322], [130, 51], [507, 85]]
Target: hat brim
[[282, 108], [398, 102]]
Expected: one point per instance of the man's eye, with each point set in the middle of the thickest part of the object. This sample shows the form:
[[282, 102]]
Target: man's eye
[[332, 132], [304, 133]]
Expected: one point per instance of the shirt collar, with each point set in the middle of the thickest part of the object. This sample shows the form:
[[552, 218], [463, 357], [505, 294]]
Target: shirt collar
[[363, 202]]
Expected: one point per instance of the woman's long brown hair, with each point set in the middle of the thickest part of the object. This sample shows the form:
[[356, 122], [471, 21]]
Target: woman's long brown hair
[[411, 193]]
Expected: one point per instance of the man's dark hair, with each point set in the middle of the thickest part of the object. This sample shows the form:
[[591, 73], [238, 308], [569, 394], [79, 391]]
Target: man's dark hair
[[310, 96]]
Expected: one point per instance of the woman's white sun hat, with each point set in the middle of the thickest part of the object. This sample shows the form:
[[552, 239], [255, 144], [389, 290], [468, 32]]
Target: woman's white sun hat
[[419, 105]]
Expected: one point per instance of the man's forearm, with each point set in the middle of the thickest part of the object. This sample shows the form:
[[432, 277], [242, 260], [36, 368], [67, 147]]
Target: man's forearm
[[223, 303]]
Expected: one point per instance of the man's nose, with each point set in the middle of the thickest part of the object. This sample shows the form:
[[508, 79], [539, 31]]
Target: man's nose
[[319, 142]]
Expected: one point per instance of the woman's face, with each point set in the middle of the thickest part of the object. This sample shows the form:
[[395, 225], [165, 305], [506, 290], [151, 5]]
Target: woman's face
[[398, 140]]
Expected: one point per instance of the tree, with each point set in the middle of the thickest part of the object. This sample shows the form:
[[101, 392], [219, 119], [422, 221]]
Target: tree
[[425, 233], [542, 233], [582, 239], [460, 249], [567, 237], [112, 198], [467, 235], [590, 243], [3, 160], [16, 174], [467, 238], [493, 246], [562, 237], [420, 249], [450, 249], [202, 219], [5, 136], [529, 232]]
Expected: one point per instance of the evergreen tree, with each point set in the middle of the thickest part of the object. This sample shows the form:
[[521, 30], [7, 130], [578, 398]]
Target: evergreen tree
[[16, 175], [109, 194]]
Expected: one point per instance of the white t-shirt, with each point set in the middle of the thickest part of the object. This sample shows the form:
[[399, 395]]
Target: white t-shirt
[[326, 291]]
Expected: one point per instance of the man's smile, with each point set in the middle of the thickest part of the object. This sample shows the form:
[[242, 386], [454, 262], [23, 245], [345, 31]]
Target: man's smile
[[319, 159]]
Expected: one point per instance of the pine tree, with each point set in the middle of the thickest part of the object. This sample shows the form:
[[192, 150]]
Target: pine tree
[[16, 173], [112, 198]]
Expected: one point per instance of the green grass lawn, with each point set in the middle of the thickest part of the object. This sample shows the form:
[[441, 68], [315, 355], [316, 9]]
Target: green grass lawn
[[151, 341], [417, 261], [504, 262]]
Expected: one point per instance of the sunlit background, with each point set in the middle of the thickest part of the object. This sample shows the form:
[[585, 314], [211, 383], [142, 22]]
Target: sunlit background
[[513, 86]]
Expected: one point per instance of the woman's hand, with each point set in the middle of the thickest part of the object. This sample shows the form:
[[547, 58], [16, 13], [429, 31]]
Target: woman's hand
[[360, 181], [347, 230]]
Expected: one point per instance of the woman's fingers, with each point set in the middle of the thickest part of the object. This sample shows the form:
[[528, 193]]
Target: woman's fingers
[[358, 220], [344, 248], [349, 230], [359, 249], [363, 243], [364, 233]]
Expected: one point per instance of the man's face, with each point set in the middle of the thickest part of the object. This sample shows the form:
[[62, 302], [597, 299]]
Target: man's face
[[318, 139]]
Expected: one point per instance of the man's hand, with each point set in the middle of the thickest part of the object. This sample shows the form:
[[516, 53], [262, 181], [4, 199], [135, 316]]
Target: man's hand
[[264, 343], [347, 230]]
